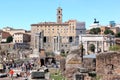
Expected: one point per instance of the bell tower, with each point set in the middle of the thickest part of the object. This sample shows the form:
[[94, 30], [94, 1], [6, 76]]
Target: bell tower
[[59, 15]]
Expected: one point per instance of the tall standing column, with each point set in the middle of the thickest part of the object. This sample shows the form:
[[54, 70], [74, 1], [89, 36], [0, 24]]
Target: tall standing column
[[113, 41], [53, 44], [42, 36], [37, 41], [56, 44], [96, 47], [58, 41], [106, 48], [109, 44], [102, 46], [86, 48]]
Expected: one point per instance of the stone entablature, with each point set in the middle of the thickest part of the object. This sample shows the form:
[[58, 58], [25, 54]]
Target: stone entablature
[[50, 24]]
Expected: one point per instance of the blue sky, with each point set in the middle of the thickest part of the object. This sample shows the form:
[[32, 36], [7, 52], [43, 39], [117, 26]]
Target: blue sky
[[23, 13]]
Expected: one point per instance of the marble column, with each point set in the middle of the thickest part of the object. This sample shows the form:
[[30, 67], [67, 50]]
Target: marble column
[[58, 41], [56, 44], [96, 47], [37, 41], [53, 44], [113, 41], [41, 39], [86, 48], [109, 44], [102, 49]]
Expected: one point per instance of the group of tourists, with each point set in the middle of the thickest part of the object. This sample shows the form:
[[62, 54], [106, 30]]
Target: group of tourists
[[22, 67]]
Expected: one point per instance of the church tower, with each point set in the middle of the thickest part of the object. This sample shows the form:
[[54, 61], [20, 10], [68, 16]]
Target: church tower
[[59, 15]]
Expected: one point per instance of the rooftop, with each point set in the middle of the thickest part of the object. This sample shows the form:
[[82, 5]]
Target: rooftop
[[48, 23]]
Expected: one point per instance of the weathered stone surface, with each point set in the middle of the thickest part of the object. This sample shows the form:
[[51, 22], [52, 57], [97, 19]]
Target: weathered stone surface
[[74, 59], [87, 78], [73, 62], [62, 64], [89, 64], [69, 73], [108, 65]]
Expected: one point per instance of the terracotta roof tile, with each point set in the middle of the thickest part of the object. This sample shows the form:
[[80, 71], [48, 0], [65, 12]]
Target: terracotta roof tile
[[5, 34]]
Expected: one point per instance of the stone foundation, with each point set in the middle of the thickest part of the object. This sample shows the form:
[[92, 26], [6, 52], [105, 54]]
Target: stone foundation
[[108, 65]]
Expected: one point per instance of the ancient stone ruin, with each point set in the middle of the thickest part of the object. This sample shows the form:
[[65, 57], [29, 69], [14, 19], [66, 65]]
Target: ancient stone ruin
[[73, 62], [108, 65]]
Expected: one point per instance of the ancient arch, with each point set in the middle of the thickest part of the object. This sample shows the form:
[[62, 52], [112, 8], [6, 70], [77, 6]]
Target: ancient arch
[[101, 42]]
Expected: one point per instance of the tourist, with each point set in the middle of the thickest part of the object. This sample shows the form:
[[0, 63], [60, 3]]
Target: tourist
[[11, 72]]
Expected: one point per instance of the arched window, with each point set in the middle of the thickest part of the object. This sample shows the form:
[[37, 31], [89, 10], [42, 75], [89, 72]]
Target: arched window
[[59, 17], [59, 12]]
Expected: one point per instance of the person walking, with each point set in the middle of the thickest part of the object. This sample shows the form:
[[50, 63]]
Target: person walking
[[11, 72]]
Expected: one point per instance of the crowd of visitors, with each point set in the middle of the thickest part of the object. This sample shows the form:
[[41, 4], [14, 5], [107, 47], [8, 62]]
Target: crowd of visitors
[[21, 68]]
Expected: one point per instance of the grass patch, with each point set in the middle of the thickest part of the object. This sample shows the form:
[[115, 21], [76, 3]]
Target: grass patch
[[57, 76]]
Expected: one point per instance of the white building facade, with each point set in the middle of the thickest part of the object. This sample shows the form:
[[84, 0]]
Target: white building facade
[[21, 38]]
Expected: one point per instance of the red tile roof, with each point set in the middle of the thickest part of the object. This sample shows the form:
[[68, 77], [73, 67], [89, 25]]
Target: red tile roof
[[5, 34]]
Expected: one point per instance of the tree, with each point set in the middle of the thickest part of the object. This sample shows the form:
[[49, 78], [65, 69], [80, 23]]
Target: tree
[[95, 31], [98, 30], [92, 31], [108, 32], [9, 39], [118, 34]]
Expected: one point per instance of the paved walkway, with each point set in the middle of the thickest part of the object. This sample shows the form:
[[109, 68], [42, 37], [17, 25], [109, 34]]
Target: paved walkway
[[23, 78], [8, 78]]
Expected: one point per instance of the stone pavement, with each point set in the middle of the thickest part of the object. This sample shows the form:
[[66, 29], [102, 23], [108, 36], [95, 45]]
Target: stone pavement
[[8, 78], [23, 78]]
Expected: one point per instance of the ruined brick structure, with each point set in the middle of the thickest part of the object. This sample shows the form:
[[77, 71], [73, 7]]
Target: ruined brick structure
[[89, 64], [108, 65], [77, 66], [73, 62], [62, 64]]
